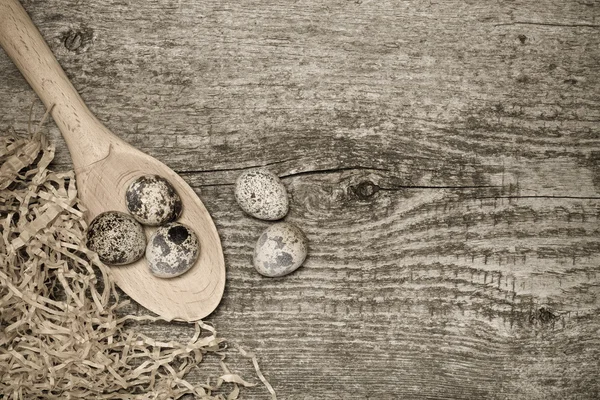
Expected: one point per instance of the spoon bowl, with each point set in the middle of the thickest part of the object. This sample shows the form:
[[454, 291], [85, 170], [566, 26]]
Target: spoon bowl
[[190, 296], [105, 165]]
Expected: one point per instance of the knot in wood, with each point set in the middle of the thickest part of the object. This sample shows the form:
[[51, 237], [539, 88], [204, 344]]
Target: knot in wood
[[78, 40], [365, 190], [543, 315]]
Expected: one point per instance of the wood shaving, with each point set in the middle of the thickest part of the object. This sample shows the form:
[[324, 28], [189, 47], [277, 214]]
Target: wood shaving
[[64, 332]]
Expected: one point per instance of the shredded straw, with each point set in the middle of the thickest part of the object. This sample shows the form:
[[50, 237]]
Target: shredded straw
[[64, 332]]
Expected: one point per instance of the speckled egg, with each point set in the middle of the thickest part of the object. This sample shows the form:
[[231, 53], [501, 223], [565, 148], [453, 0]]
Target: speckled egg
[[116, 237], [172, 250], [280, 250], [152, 200], [261, 194]]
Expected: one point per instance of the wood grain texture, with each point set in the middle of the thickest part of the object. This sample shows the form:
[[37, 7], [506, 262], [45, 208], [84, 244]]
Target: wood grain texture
[[442, 158]]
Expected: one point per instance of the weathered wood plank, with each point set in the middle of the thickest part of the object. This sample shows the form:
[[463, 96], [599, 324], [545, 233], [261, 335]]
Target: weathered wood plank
[[443, 160]]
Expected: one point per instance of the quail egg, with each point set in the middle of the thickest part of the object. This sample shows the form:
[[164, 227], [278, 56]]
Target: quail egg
[[280, 250], [116, 237], [152, 200], [172, 250], [261, 194]]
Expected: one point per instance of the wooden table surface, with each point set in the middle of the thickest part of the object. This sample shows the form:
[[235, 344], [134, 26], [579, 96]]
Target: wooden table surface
[[442, 157]]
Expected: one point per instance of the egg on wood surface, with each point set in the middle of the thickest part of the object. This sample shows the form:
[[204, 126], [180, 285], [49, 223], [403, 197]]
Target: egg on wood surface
[[280, 250], [261, 194]]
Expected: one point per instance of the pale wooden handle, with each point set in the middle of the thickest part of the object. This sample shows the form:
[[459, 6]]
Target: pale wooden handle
[[86, 137]]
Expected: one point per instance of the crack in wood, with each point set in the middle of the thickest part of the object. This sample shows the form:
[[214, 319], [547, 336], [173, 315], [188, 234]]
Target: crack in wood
[[332, 171], [559, 25], [540, 197], [435, 187], [209, 171]]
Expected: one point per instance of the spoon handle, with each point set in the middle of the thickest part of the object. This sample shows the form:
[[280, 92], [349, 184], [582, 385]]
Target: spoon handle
[[86, 137]]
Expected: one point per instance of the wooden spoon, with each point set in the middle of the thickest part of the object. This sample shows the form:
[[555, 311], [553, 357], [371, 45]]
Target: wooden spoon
[[104, 166]]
